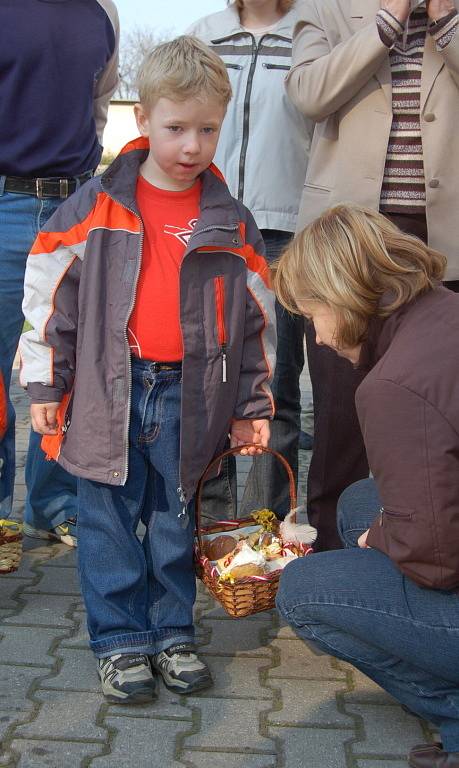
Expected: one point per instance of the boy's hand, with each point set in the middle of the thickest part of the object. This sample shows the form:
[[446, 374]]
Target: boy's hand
[[250, 431], [43, 416]]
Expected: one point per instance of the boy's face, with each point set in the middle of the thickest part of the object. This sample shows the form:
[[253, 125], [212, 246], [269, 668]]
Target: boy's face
[[183, 138]]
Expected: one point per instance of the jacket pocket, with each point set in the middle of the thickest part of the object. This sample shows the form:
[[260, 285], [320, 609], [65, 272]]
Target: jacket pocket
[[51, 444], [219, 290], [317, 188], [395, 513], [285, 67]]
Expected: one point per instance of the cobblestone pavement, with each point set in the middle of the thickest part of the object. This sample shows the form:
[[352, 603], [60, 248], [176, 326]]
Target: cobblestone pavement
[[274, 704]]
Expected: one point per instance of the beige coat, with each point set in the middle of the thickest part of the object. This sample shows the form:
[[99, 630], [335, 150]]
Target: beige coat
[[341, 78]]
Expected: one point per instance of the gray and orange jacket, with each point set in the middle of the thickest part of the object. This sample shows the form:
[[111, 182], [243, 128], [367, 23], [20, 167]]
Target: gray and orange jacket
[[80, 287]]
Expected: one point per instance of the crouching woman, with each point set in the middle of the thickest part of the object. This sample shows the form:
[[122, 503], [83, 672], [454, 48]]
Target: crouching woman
[[389, 602]]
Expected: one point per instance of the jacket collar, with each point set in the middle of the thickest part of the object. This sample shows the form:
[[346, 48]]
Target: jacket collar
[[219, 214], [381, 331], [227, 23]]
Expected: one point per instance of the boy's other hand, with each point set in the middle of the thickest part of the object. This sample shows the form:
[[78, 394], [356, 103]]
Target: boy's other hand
[[245, 431], [43, 416]]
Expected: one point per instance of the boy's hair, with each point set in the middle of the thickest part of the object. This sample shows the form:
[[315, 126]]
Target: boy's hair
[[355, 260], [180, 69], [282, 5]]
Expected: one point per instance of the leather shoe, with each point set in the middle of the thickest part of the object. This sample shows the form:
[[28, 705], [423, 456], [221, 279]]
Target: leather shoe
[[432, 756]]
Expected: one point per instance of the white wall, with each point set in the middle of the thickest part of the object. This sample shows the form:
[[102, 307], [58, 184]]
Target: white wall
[[121, 126]]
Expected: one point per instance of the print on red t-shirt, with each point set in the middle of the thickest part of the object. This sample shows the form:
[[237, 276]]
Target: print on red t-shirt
[[169, 218]]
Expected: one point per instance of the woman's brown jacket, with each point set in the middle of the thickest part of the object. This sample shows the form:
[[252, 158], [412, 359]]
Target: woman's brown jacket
[[408, 407]]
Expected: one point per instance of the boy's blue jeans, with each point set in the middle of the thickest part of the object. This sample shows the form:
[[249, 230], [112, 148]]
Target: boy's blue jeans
[[356, 605], [139, 596], [51, 491]]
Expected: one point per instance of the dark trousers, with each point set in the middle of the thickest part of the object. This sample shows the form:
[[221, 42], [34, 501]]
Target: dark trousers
[[339, 457]]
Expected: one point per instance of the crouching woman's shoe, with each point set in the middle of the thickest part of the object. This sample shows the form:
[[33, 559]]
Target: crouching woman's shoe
[[432, 756]]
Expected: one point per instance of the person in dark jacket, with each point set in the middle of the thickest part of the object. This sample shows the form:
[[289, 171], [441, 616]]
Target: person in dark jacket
[[389, 602]]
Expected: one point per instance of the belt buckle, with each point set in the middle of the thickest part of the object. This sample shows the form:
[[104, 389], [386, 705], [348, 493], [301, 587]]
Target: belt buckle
[[63, 188], [39, 188]]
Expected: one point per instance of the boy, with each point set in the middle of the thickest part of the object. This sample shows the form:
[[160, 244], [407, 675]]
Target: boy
[[153, 338]]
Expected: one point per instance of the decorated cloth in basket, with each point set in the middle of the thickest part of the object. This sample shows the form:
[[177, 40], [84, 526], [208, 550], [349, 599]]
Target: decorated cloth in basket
[[240, 561], [10, 545]]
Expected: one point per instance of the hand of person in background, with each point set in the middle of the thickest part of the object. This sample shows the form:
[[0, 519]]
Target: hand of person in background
[[43, 416], [400, 9], [437, 9], [245, 431]]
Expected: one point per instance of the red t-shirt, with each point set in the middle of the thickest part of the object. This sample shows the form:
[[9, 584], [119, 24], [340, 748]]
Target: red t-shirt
[[168, 217]]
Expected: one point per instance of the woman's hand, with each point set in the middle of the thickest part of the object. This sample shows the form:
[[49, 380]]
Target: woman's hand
[[398, 8], [362, 540], [438, 9]]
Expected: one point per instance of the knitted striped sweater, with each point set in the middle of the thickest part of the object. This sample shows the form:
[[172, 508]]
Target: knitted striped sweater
[[403, 188]]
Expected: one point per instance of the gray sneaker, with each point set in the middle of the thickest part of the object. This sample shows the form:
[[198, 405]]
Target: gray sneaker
[[181, 669], [127, 678]]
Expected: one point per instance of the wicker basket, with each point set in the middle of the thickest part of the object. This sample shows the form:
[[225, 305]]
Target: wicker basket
[[10, 545], [251, 594]]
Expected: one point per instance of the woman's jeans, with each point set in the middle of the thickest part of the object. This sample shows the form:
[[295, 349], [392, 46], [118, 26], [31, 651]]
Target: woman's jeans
[[51, 494], [356, 605], [139, 596]]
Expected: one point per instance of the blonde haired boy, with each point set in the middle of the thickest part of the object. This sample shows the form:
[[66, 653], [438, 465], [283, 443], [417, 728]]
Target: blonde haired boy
[[153, 338]]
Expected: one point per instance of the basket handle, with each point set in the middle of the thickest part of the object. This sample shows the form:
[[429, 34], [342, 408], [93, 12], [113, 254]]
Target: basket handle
[[232, 452]]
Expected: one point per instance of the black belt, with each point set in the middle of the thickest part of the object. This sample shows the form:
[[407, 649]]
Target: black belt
[[155, 367], [46, 187]]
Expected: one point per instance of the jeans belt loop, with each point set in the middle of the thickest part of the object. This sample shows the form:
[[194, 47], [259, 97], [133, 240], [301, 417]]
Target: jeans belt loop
[[63, 188], [39, 188]]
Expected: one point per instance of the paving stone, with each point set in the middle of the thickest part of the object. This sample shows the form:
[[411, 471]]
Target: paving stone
[[217, 612], [388, 730], [8, 718], [64, 557], [80, 637], [365, 690], [57, 581], [313, 748], [167, 705], [212, 759], [229, 725], [236, 677], [382, 763], [53, 754], [16, 646], [44, 610], [65, 716], [14, 686], [284, 632], [298, 661], [10, 592], [77, 673], [307, 702], [230, 638], [141, 742]]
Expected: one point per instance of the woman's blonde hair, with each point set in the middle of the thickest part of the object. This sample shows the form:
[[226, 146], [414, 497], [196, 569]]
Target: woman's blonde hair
[[360, 264], [284, 6], [180, 69]]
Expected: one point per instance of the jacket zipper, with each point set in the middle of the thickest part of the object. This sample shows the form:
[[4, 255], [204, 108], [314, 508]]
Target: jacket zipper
[[183, 515], [219, 287], [128, 354]]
